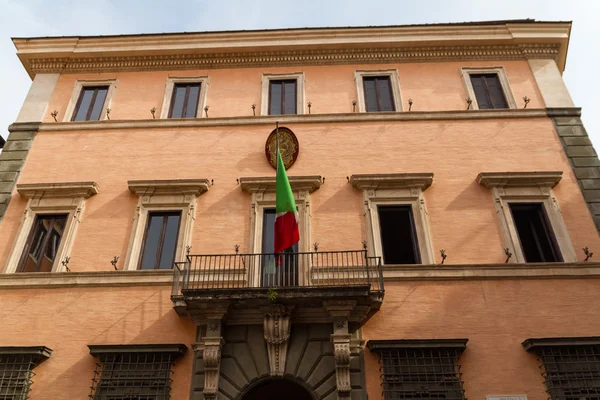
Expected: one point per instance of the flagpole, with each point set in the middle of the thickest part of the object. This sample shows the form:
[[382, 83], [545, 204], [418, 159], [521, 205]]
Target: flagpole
[[276, 146]]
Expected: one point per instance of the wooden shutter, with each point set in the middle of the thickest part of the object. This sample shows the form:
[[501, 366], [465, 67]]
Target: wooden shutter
[[275, 97], [384, 92], [478, 83], [495, 92], [289, 99], [370, 89]]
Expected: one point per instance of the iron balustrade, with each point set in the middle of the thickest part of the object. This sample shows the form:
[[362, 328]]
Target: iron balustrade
[[304, 270]]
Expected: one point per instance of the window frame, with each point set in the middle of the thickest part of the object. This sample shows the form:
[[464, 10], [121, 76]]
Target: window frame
[[47, 199], [283, 81], [413, 231], [466, 73], [80, 84], [392, 74], [266, 89], [527, 187], [401, 190], [163, 196], [204, 82], [262, 190], [162, 236], [30, 240]]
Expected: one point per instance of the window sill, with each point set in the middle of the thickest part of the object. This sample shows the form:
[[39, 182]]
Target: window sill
[[425, 272], [86, 279], [296, 118]]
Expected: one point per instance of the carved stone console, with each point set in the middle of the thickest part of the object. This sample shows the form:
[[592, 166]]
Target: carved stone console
[[277, 326], [341, 352], [212, 362]]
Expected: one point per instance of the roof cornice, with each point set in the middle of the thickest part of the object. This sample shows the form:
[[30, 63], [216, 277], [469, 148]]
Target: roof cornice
[[295, 47]]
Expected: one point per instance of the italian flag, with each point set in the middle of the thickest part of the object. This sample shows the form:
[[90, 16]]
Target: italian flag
[[286, 221]]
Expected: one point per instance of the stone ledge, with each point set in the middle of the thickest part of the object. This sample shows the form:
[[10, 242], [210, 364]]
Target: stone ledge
[[534, 178], [301, 118], [420, 180], [86, 279], [435, 272], [265, 184], [533, 344], [172, 186], [61, 189]]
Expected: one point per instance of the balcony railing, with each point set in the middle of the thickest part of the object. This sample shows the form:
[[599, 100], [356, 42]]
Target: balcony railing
[[301, 270]]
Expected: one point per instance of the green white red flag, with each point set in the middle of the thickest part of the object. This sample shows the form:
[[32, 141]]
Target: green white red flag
[[286, 221]]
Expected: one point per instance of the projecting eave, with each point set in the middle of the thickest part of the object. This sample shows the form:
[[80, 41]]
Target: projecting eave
[[58, 53]]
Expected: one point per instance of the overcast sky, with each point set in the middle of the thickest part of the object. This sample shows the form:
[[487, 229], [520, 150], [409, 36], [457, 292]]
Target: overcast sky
[[21, 18]]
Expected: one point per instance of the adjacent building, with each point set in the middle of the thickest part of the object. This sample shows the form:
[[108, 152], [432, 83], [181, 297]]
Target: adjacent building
[[448, 202]]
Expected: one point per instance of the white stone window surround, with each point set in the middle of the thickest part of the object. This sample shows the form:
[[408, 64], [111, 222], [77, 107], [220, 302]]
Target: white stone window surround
[[170, 84], [527, 187], [502, 77], [394, 82], [396, 189], [264, 98], [163, 195], [51, 198], [80, 84], [263, 196]]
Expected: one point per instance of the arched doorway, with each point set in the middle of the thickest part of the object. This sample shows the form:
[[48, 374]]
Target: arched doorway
[[274, 389]]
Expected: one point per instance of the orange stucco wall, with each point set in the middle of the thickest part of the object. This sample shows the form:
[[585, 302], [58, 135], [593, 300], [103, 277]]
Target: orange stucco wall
[[330, 89], [496, 317], [461, 213], [67, 320]]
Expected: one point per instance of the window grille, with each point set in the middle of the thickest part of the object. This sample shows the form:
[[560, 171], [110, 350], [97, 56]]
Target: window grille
[[570, 366], [16, 370], [137, 372], [420, 369]]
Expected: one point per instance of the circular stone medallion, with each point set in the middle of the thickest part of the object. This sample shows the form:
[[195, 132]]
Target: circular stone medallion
[[288, 146]]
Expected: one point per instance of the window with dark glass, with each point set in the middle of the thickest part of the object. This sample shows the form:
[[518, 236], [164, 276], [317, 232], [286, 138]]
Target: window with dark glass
[[282, 96], [43, 243], [488, 91], [398, 235], [184, 102], [160, 240], [535, 233], [90, 104], [378, 94], [277, 270], [420, 369], [570, 366]]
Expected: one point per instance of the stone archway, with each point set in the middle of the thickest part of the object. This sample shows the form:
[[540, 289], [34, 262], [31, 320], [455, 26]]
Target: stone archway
[[275, 389]]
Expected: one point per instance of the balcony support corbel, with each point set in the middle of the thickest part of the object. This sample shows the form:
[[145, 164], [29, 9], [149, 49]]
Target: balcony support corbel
[[340, 312], [277, 327]]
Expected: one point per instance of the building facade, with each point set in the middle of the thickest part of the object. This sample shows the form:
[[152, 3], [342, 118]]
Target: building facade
[[446, 190]]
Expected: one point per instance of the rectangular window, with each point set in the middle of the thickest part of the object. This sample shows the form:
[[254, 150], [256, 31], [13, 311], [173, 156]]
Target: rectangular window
[[420, 369], [90, 104], [277, 270], [378, 94], [282, 96], [398, 235], [43, 243], [535, 234], [184, 102], [160, 240], [488, 91], [133, 373], [16, 370], [571, 370]]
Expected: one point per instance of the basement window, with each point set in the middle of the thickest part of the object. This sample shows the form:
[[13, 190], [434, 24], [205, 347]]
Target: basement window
[[535, 234], [398, 235]]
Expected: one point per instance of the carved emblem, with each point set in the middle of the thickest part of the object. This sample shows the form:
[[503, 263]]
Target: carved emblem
[[288, 145]]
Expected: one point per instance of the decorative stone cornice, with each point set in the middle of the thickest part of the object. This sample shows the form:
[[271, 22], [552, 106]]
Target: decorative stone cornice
[[291, 58], [170, 187], [515, 179], [175, 350], [378, 345], [266, 184], [534, 344], [63, 189], [37, 353], [392, 181]]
